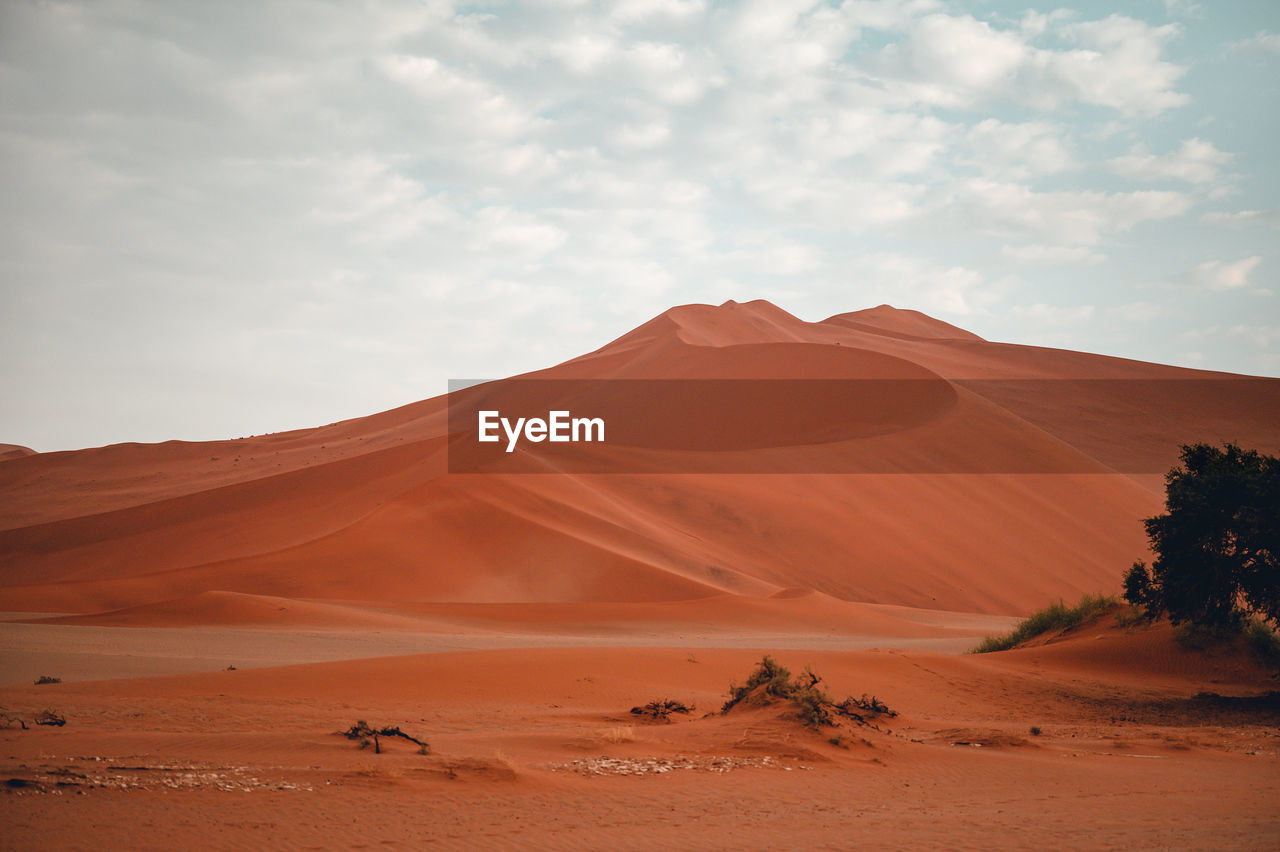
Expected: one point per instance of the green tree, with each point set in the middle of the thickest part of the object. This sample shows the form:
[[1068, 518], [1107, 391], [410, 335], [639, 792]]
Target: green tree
[[1218, 542]]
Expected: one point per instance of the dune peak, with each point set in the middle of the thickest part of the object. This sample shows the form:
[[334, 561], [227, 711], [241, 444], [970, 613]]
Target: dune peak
[[900, 322]]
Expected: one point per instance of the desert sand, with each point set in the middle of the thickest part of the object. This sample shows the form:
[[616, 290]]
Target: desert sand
[[219, 612]]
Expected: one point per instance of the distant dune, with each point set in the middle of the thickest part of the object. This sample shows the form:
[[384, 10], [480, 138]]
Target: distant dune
[[14, 451], [364, 510]]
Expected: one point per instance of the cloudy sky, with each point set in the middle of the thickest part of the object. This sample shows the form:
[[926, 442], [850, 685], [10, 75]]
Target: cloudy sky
[[222, 219]]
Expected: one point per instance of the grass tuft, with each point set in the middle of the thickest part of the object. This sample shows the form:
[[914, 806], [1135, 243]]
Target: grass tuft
[[1056, 617], [619, 734], [1261, 641]]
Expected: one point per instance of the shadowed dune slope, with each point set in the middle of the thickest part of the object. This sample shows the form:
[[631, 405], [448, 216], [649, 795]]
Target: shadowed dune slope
[[364, 510]]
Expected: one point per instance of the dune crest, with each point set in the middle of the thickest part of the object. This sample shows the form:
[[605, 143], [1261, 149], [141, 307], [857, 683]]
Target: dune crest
[[891, 321]]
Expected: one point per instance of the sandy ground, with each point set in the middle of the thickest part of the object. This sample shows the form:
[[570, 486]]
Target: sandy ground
[[221, 629], [96, 653], [534, 747]]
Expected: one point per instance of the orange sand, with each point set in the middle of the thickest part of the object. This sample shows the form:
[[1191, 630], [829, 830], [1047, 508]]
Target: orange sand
[[534, 748]]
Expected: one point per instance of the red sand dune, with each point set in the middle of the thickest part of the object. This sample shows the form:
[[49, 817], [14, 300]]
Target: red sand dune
[[364, 510], [351, 545]]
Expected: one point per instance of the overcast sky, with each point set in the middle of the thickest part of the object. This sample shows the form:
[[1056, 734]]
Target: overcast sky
[[223, 219]]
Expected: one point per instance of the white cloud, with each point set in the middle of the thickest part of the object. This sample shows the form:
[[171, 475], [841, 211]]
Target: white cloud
[[786, 42], [1052, 255], [1019, 150], [845, 202], [901, 280], [887, 15], [583, 52], [629, 11], [1196, 161], [476, 108], [959, 62], [1181, 7], [517, 233], [1139, 311], [1240, 218], [1119, 65], [637, 137], [1262, 336], [1263, 41], [1051, 315], [960, 59], [1034, 24], [1226, 275], [1061, 217], [771, 254], [886, 144], [1257, 345]]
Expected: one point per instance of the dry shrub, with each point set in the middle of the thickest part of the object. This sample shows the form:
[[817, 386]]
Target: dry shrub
[[771, 683], [661, 710], [364, 733]]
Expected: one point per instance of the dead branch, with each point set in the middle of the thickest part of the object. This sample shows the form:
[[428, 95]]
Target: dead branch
[[363, 731]]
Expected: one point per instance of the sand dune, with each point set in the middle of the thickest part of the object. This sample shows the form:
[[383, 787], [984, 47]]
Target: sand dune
[[1011, 475]]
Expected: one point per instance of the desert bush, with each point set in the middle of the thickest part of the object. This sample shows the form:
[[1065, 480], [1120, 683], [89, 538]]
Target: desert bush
[[871, 706], [813, 704], [43, 679], [772, 679], [44, 717], [7, 718], [1056, 617], [771, 682], [661, 710], [50, 718]]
